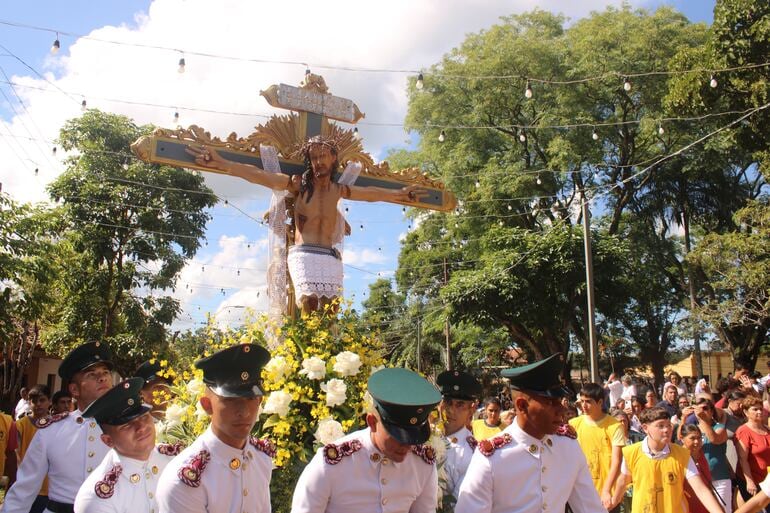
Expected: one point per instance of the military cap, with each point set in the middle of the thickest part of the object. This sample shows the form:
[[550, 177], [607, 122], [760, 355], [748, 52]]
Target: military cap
[[235, 371], [456, 384], [404, 401], [119, 405], [148, 371], [539, 378], [83, 357]]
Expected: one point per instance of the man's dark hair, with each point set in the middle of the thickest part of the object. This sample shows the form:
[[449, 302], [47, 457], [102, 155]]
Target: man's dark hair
[[40, 390], [492, 400], [650, 415], [688, 429], [593, 391], [58, 395]]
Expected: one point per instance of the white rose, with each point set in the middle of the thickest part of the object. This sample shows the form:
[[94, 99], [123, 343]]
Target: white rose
[[174, 414], [347, 363], [278, 366], [335, 391], [328, 431], [195, 387], [278, 402], [314, 367]]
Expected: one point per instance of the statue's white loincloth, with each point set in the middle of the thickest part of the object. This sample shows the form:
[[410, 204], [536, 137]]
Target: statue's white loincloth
[[315, 271]]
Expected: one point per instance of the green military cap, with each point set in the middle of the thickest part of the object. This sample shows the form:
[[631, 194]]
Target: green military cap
[[456, 384], [83, 357], [404, 401], [539, 378], [235, 371], [148, 371], [120, 405]]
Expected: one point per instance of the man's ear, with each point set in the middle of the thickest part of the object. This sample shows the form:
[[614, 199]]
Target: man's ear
[[522, 403], [206, 404], [108, 441], [74, 390], [371, 421]]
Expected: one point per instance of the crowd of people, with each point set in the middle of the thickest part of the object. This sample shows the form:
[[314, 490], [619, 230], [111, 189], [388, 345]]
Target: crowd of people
[[611, 447]]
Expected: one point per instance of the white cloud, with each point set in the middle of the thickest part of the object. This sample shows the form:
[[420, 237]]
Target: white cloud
[[142, 82]]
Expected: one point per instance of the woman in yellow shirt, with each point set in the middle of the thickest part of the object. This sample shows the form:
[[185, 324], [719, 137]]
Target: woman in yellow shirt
[[491, 424]]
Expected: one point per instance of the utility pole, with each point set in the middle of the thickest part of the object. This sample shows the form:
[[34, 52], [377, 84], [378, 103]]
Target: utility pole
[[446, 326], [693, 301], [592, 345]]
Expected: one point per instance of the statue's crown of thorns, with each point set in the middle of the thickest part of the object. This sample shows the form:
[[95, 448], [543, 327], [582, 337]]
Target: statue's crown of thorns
[[319, 140]]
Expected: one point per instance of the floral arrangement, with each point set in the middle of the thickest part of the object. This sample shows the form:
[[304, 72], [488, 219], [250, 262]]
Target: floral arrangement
[[316, 382]]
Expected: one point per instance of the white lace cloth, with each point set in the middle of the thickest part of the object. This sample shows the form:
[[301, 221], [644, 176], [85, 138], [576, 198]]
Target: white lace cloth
[[314, 274]]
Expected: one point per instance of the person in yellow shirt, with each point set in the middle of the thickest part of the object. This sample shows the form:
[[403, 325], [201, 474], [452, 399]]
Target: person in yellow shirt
[[658, 469], [601, 437], [490, 424], [40, 400]]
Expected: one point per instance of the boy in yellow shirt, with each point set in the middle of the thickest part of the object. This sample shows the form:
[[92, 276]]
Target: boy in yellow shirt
[[601, 437], [658, 469], [40, 400]]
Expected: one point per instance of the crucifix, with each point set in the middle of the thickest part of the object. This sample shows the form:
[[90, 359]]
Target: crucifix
[[299, 157]]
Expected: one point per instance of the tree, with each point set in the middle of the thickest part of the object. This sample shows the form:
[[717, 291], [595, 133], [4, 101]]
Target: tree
[[130, 227], [25, 274]]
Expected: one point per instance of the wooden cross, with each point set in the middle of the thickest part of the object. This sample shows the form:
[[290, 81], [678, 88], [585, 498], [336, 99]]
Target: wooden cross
[[313, 108]]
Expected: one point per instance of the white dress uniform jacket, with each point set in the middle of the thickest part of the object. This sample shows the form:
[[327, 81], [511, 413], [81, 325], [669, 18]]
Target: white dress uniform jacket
[[68, 449], [210, 476], [527, 475], [458, 456], [365, 481], [124, 485]]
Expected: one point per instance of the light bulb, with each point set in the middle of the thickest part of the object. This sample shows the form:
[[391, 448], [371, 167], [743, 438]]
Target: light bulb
[[539, 181], [595, 135], [510, 208], [53, 150], [626, 84], [176, 117], [420, 82], [713, 82], [362, 227], [37, 171], [83, 105], [478, 184], [442, 136], [528, 91], [307, 71], [523, 137], [182, 64], [356, 135], [501, 223], [661, 131], [55, 47]]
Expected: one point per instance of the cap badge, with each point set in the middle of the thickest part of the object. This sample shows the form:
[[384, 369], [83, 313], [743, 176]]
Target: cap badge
[[456, 387], [126, 384], [533, 449], [246, 349], [134, 478], [130, 402], [244, 375], [96, 357], [97, 344], [457, 373], [235, 463]]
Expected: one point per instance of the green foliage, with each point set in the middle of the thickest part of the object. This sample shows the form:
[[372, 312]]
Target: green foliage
[[129, 227]]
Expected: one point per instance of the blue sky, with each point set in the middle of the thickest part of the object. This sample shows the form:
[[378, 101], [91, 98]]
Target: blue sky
[[228, 273]]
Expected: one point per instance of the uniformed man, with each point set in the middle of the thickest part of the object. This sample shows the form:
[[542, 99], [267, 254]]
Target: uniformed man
[[459, 393], [127, 479], [154, 387], [225, 470], [529, 468], [66, 447], [384, 467]]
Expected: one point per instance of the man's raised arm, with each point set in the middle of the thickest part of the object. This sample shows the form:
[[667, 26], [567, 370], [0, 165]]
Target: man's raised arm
[[410, 193], [206, 156]]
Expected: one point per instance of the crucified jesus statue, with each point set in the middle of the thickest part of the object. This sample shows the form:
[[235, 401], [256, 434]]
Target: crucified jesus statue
[[314, 264]]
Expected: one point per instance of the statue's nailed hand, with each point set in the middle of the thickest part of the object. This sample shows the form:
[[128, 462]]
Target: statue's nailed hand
[[413, 193], [206, 156]]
